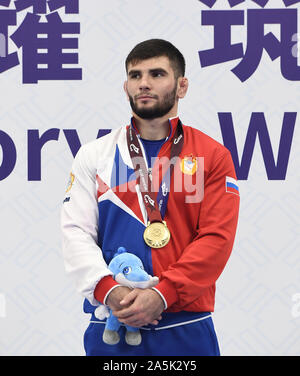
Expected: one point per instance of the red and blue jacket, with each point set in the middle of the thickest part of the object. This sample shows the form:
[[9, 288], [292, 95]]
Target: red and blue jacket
[[103, 210]]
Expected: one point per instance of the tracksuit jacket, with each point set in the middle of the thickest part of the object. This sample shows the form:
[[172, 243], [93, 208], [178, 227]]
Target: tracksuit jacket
[[103, 210]]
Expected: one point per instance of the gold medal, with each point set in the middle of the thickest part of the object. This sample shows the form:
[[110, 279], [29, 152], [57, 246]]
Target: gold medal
[[157, 234]]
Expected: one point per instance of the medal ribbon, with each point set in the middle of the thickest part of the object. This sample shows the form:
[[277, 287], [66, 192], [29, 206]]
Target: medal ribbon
[[154, 210]]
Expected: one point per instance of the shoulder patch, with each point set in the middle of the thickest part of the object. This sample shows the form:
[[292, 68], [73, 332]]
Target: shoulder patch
[[231, 185], [70, 182]]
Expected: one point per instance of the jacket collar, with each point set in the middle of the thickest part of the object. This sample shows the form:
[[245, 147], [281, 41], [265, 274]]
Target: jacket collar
[[172, 122]]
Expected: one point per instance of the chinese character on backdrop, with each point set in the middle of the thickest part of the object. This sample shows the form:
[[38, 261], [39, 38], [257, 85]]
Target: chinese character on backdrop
[[41, 37], [224, 21]]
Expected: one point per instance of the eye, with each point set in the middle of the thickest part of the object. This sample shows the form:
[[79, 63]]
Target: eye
[[134, 76], [126, 270], [142, 267], [158, 73]]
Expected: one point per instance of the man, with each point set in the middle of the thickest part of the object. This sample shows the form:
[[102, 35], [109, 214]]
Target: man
[[154, 172]]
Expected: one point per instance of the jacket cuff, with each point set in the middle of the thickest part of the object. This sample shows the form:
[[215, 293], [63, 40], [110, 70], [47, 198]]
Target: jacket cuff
[[168, 292], [104, 286]]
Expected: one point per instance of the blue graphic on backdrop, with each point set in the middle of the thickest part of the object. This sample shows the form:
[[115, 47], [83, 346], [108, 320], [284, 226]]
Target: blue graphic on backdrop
[[262, 3], [41, 30], [257, 41], [276, 168], [258, 130]]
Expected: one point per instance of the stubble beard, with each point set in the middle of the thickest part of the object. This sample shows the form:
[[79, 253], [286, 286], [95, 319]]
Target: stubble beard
[[158, 110]]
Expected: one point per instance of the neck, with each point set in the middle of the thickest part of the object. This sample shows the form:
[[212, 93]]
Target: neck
[[154, 129]]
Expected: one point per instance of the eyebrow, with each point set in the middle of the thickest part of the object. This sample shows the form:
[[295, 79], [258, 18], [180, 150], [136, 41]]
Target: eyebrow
[[154, 70]]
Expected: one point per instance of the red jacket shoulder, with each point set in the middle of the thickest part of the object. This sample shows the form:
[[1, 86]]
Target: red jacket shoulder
[[206, 145]]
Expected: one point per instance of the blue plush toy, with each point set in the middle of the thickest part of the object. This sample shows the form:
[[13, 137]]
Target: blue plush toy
[[128, 271]]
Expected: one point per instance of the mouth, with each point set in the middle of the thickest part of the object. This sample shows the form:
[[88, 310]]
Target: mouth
[[144, 97]]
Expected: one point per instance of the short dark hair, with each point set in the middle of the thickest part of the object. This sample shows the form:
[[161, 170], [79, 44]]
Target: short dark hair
[[156, 48]]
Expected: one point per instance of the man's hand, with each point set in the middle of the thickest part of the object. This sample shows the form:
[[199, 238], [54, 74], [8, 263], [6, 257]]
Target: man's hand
[[115, 296], [146, 307]]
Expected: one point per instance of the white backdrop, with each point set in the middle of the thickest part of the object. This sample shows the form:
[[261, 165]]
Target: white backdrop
[[257, 301]]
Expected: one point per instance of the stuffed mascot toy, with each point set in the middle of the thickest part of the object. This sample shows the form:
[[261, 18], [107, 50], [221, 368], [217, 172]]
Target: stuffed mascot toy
[[128, 271]]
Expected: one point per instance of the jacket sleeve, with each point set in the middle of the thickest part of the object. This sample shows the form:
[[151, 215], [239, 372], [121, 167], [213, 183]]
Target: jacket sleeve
[[79, 222], [204, 259]]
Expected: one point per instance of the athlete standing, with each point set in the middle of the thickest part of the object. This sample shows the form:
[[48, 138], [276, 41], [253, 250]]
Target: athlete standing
[[168, 193]]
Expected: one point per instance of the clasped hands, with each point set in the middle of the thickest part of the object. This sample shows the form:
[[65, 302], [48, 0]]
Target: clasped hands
[[137, 307]]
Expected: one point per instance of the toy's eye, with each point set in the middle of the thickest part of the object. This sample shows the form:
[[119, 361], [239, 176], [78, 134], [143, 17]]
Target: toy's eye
[[126, 270], [142, 267]]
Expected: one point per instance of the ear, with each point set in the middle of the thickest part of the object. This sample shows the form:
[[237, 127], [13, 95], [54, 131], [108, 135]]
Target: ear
[[183, 85], [125, 89], [120, 250]]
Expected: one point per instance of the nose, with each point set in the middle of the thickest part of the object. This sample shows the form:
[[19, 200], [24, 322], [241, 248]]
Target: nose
[[144, 83]]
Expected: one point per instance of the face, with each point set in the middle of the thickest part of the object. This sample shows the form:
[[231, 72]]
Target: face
[[151, 88]]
